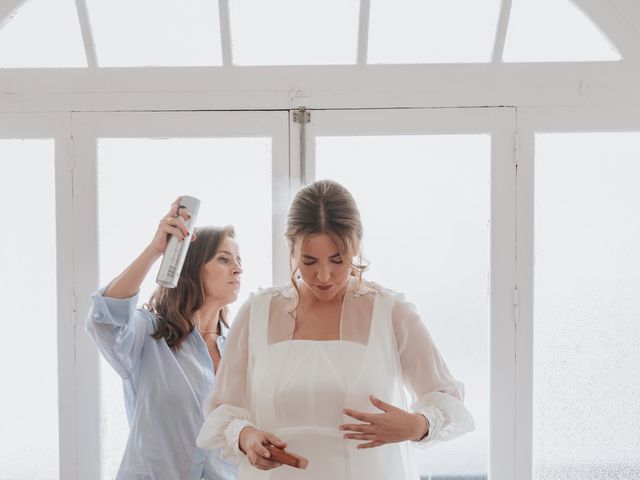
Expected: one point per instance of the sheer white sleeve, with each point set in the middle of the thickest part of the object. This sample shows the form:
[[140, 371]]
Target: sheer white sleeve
[[437, 395], [227, 408]]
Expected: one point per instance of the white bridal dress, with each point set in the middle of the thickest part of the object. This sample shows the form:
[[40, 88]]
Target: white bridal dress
[[297, 389]]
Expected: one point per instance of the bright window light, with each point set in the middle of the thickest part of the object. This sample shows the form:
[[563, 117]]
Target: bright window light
[[554, 31], [426, 234], [138, 178], [42, 34], [587, 307], [430, 31], [28, 295], [294, 32], [155, 32]]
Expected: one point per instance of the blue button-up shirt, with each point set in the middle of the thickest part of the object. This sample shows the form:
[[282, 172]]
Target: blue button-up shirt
[[164, 392]]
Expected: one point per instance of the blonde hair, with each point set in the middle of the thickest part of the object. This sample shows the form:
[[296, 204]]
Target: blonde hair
[[325, 207]]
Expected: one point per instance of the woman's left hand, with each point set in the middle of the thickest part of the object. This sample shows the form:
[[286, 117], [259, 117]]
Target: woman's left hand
[[391, 426]]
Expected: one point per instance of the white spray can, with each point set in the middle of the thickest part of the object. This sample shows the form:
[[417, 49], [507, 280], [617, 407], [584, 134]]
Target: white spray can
[[176, 251]]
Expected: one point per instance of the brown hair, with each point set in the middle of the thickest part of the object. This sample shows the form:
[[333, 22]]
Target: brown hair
[[325, 207], [174, 307]]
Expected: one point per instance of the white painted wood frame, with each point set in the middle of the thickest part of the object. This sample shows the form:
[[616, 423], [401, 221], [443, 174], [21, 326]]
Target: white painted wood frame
[[58, 128], [500, 123], [530, 122], [511, 354], [320, 87]]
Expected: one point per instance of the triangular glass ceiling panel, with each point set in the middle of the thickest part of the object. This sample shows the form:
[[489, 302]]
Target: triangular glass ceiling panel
[[294, 32], [42, 34], [155, 32], [432, 31], [554, 31]]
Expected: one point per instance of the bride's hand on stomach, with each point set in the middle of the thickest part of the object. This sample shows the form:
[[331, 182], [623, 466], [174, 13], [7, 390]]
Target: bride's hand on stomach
[[391, 426]]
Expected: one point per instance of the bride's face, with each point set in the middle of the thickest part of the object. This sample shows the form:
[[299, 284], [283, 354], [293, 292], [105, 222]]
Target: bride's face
[[322, 269]]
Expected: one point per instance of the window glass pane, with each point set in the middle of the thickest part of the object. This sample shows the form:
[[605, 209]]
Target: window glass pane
[[429, 31], [587, 307], [138, 178], [156, 32], [29, 364], [294, 32], [554, 31], [426, 234], [40, 34]]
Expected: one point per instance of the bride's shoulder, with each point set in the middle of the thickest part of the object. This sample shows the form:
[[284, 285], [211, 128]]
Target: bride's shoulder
[[367, 287], [285, 291]]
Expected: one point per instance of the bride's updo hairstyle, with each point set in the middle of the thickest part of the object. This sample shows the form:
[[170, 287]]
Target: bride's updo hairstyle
[[325, 207]]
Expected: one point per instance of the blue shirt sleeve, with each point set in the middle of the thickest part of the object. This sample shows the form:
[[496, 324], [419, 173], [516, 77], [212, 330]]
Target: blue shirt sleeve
[[119, 330]]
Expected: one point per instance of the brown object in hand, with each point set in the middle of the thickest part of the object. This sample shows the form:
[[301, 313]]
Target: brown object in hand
[[287, 458]]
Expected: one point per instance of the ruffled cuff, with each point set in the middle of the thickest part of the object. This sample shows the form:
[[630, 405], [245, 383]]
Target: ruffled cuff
[[232, 435], [435, 419], [448, 417], [221, 430]]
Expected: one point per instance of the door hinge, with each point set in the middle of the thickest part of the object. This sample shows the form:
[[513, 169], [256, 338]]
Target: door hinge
[[302, 115], [72, 154]]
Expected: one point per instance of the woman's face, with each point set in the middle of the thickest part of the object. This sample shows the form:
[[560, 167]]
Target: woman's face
[[221, 274], [322, 268]]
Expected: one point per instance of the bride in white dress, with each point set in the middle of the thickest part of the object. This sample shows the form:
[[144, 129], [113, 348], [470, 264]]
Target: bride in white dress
[[322, 367]]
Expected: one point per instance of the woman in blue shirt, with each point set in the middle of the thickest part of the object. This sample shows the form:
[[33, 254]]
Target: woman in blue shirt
[[167, 352]]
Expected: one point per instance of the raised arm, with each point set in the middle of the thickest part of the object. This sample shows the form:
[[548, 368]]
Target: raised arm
[[127, 284], [117, 328]]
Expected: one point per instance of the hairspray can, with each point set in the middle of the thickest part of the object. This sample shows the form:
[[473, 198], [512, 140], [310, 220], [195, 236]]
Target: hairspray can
[[176, 251]]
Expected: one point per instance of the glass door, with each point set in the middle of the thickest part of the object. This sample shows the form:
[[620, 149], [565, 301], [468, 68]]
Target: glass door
[[579, 413], [36, 360], [436, 190], [134, 166]]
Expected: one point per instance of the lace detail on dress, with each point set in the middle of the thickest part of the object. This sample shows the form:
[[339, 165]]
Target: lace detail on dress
[[359, 288], [365, 287], [356, 288], [285, 291]]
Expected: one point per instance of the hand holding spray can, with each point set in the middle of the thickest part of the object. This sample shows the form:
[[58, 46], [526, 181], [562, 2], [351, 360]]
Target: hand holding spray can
[[176, 251]]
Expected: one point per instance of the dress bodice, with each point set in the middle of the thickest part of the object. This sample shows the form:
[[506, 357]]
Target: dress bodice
[[297, 389], [302, 376], [300, 388]]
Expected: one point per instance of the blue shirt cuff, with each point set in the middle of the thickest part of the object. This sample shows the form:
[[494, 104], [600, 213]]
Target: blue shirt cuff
[[118, 310]]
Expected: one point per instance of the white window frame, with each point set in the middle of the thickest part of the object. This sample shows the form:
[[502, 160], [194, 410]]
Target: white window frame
[[501, 124], [86, 129], [56, 126], [532, 121], [513, 134]]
